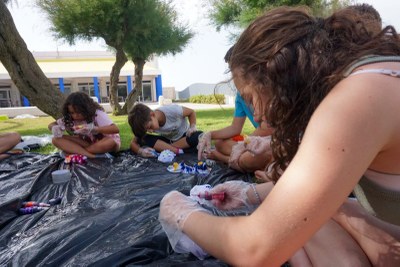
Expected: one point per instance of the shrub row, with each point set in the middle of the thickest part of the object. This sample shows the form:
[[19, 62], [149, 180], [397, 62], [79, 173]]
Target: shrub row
[[208, 99]]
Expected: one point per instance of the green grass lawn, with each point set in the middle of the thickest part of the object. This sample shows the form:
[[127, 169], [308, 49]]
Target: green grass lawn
[[207, 120]]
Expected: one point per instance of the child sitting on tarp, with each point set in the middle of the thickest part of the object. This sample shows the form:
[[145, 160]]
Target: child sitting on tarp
[[91, 131], [161, 129]]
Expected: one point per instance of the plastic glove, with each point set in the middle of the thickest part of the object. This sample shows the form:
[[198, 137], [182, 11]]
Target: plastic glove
[[204, 145], [86, 129], [235, 195], [191, 130], [258, 144], [147, 152], [57, 131], [175, 208]]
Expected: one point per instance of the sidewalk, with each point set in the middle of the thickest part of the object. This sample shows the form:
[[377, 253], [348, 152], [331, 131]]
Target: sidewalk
[[15, 111]]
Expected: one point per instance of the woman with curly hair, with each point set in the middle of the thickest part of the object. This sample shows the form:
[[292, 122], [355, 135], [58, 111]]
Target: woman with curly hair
[[90, 130], [331, 90]]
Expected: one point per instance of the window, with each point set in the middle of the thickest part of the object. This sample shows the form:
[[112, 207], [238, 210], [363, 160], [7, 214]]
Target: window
[[5, 97], [87, 88], [146, 91], [67, 88], [122, 91]]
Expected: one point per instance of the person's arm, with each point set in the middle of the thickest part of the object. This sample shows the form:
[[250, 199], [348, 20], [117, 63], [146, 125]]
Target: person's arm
[[230, 131], [107, 129], [134, 145], [191, 114], [329, 163], [104, 124]]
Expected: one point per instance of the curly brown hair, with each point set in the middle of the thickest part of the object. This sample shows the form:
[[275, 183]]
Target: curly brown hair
[[83, 104], [293, 60], [138, 117]]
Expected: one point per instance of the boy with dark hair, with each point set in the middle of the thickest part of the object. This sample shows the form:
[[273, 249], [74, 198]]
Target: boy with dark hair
[[163, 128]]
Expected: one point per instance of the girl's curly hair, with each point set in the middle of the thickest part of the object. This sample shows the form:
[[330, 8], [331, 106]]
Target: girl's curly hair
[[293, 60], [82, 104]]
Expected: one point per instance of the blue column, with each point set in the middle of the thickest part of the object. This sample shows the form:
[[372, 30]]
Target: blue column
[[129, 83], [158, 87], [61, 84], [26, 101], [96, 88]]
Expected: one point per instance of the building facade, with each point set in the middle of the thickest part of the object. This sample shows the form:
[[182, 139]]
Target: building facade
[[86, 71]]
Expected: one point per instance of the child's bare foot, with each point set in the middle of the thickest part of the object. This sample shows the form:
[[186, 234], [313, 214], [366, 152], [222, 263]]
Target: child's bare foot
[[261, 176]]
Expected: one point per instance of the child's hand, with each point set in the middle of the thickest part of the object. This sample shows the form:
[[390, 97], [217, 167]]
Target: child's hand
[[191, 130], [147, 152], [57, 131], [204, 146], [86, 129]]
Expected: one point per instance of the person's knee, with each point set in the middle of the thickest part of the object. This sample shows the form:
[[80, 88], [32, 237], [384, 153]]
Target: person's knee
[[16, 138], [193, 139]]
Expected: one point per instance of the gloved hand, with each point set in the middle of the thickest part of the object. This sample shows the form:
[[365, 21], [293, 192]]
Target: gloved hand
[[175, 208], [204, 145], [235, 195], [191, 130], [258, 144], [86, 129], [57, 131], [147, 152]]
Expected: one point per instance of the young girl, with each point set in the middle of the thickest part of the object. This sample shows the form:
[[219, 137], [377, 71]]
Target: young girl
[[163, 128], [90, 130]]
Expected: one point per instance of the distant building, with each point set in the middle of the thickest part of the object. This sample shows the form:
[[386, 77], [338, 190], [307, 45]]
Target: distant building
[[207, 89], [87, 71]]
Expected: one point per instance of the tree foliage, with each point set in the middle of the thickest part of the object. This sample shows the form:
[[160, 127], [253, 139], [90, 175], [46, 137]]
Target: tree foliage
[[139, 29], [239, 13]]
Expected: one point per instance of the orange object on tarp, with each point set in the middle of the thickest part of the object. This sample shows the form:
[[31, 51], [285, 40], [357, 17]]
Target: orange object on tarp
[[238, 138]]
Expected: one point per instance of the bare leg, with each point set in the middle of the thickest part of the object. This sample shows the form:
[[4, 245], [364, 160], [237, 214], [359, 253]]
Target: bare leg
[[8, 141], [104, 145], [72, 144], [225, 146], [250, 163], [380, 240], [216, 155], [161, 145], [334, 246]]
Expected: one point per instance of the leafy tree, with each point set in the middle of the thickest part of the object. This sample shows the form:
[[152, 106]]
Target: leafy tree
[[23, 69], [239, 13], [128, 27]]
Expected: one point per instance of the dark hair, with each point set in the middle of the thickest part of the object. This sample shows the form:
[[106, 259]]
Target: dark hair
[[82, 104], [138, 117], [292, 60]]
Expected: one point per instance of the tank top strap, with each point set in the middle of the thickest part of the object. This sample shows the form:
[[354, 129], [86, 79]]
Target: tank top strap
[[368, 60]]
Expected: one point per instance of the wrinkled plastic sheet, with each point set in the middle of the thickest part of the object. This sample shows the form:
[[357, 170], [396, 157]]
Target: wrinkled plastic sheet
[[108, 215]]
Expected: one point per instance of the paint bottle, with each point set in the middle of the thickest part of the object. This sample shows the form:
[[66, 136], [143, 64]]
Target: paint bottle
[[31, 210], [34, 204]]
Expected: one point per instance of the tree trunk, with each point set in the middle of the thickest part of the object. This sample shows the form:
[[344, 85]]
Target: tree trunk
[[137, 90], [23, 69], [120, 60]]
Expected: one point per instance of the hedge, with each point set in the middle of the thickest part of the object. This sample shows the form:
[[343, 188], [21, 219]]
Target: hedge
[[208, 99]]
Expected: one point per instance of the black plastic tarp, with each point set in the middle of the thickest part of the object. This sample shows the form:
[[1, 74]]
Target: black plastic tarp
[[108, 215]]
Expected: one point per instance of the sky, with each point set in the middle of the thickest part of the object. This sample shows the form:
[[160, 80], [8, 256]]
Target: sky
[[200, 62]]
